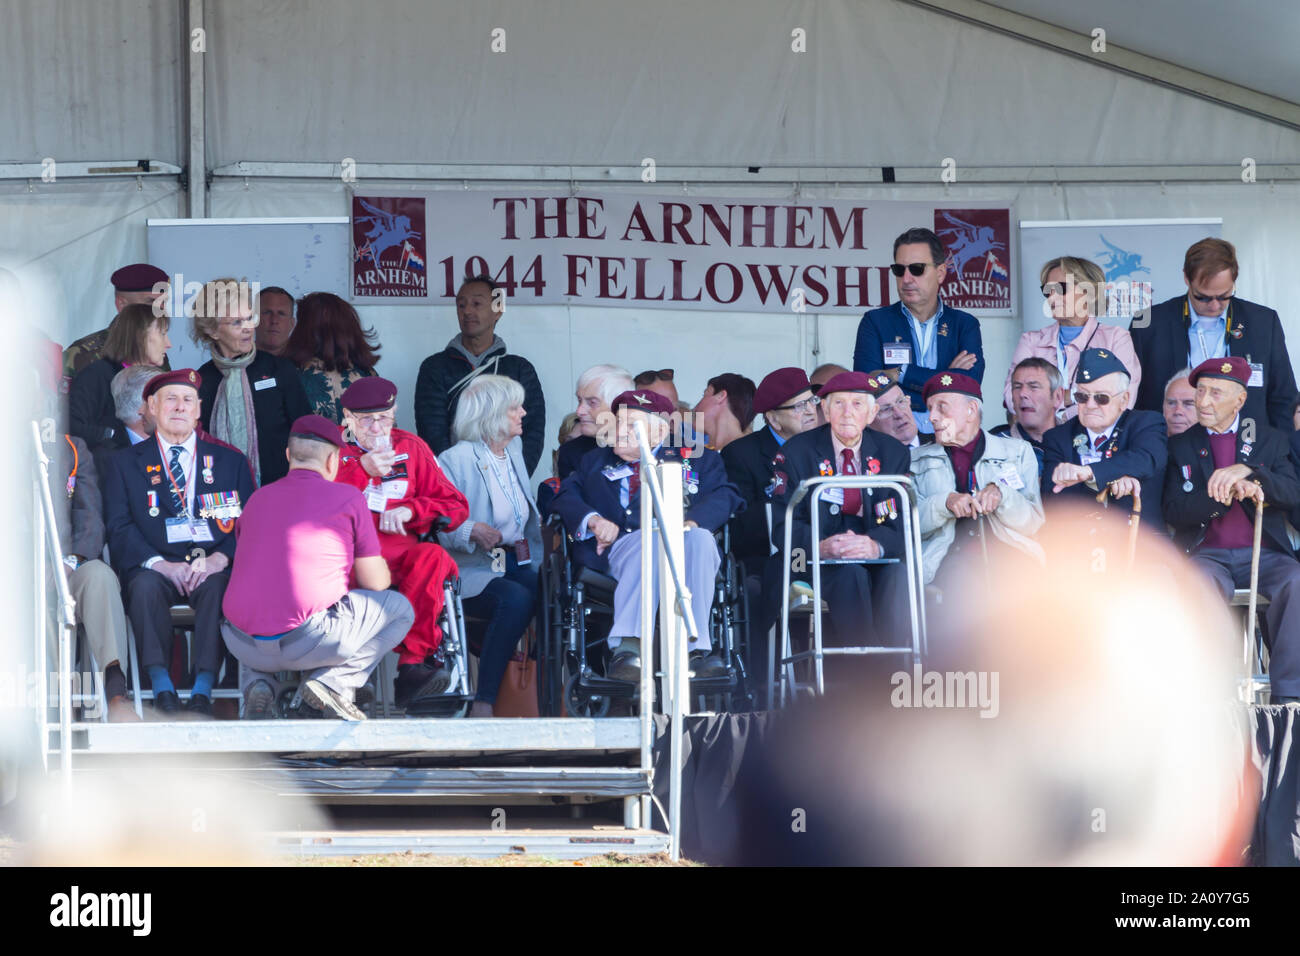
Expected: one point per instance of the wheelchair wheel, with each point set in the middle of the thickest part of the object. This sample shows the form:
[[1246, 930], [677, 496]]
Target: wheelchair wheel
[[583, 705]]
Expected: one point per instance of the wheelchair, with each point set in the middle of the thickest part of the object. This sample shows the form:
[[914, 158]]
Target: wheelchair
[[576, 611]]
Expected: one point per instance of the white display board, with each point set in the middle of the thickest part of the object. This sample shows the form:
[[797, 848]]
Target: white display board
[[1142, 259], [300, 255]]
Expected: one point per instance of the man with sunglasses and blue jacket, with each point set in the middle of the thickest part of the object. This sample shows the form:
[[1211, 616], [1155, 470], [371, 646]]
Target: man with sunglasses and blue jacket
[[918, 336]]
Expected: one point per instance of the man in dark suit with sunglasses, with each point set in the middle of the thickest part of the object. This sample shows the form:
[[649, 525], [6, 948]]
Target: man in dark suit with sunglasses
[[918, 335], [1211, 322], [1107, 445]]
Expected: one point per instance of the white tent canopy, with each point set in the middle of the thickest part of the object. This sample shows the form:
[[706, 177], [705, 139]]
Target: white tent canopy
[[716, 87]]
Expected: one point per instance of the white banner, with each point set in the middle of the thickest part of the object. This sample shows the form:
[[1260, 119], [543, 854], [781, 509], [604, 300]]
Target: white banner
[[1142, 259], [668, 251]]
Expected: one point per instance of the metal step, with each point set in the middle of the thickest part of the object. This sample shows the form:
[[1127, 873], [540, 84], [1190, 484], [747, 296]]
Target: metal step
[[428, 736], [550, 843]]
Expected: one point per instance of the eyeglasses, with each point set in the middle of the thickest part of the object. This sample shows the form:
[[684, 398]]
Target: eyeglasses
[[1214, 298], [1053, 288], [916, 268], [375, 421], [812, 402], [248, 321], [1102, 398]]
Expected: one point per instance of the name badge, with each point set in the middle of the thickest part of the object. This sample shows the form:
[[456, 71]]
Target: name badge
[[199, 531], [263, 383], [1010, 477], [1256, 375], [376, 500], [1089, 457], [834, 495], [178, 530], [898, 353], [395, 489], [616, 473]]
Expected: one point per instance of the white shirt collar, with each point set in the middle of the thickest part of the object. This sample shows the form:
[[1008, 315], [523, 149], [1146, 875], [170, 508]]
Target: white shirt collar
[[1231, 429], [1092, 435], [186, 456]]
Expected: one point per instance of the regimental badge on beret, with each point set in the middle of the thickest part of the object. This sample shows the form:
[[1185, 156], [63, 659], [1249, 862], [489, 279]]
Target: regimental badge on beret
[[1102, 353], [641, 398], [946, 380], [1225, 368], [193, 377]]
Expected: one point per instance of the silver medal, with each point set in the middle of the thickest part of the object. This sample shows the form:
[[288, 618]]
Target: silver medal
[[1187, 486], [835, 509], [153, 512]]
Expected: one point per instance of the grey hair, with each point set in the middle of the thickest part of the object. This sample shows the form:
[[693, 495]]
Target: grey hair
[[614, 381], [1183, 373], [128, 391], [481, 412]]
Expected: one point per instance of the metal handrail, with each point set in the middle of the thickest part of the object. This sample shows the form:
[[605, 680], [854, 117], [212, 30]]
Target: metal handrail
[[67, 612], [912, 564], [676, 657]]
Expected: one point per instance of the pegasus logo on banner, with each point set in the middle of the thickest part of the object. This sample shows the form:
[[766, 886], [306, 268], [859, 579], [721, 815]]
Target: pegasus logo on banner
[[967, 242], [1118, 262], [385, 231]]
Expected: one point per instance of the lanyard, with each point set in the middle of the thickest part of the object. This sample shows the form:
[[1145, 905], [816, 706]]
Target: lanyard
[[183, 495], [508, 486], [76, 461], [1227, 330]]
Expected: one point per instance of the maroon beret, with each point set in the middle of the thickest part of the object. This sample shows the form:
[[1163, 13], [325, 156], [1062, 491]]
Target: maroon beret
[[180, 376], [779, 387], [369, 394], [1233, 368], [951, 382], [643, 400], [851, 382], [319, 427], [138, 277]]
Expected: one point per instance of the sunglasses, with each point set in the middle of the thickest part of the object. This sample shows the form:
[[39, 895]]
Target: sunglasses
[[650, 376], [1214, 298], [1101, 398], [1053, 288], [916, 268]]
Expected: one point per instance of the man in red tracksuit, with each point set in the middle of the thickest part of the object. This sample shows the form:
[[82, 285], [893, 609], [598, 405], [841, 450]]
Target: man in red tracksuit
[[406, 492]]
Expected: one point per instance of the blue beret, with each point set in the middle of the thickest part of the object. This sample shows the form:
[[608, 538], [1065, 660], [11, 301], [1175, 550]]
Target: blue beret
[[1094, 363]]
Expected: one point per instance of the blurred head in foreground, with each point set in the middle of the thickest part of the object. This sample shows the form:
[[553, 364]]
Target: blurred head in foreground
[[1087, 717]]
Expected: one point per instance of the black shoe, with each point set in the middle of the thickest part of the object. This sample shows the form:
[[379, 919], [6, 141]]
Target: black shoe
[[167, 702], [259, 701], [625, 666], [200, 705], [417, 682], [704, 666]]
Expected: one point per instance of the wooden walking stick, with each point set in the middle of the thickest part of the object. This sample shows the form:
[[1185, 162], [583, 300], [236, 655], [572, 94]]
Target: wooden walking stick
[[1134, 520]]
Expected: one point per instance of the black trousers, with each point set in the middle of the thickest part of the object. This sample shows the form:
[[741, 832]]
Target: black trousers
[[149, 595]]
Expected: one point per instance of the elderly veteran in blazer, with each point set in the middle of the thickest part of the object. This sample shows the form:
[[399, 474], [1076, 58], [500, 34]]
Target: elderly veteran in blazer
[[498, 548], [170, 506], [600, 506], [1108, 445], [853, 523], [970, 474], [1220, 470]]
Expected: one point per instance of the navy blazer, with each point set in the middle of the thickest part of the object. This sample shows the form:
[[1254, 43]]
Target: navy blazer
[[1136, 449], [958, 332], [1190, 512], [1256, 335], [803, 457], [133, 535], [588, 489], [749, 466]]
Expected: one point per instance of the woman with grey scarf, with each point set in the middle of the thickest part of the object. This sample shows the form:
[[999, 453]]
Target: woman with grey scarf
[[249, 398]]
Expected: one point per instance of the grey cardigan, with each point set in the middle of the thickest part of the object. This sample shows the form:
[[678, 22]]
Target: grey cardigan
[[466, 464]]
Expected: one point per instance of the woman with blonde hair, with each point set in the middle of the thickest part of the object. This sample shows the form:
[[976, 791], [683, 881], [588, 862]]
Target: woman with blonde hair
[[1075, 292]]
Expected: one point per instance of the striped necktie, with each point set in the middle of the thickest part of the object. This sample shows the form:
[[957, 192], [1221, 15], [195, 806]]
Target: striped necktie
[[178, 479]]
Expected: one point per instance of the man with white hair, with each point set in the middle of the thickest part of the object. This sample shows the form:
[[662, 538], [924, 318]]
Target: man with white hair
[[894, 415], [855, 524], [1108, 445], [1180, 404], [129, 404], [600, 505], [969, 475], [596, 388]]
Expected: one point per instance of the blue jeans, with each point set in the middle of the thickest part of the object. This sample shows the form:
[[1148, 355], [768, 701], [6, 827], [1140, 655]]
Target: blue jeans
[[507, 603]]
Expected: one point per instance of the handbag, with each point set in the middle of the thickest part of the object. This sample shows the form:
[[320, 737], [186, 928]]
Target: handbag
[[517, 696]]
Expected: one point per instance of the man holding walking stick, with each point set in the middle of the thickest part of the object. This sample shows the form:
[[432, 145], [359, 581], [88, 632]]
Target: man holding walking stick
[[1221, 470]]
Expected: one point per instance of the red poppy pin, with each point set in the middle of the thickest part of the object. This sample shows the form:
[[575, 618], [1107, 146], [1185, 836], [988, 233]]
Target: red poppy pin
[[873, 465]]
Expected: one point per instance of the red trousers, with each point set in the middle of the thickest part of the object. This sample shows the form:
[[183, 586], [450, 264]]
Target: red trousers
[[419, 570]]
